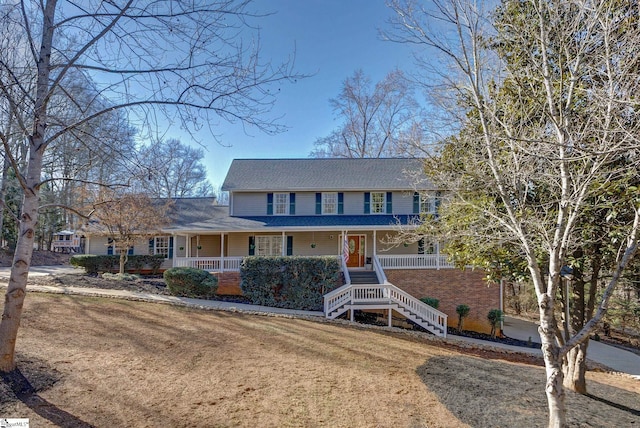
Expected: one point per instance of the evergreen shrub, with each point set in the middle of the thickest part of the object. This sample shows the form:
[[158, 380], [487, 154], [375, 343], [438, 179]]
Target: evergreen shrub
[[290, 282], [431, 301], [190, 282]]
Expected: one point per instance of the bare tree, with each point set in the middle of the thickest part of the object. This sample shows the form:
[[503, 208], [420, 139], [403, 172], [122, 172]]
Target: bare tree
[[189, 62], [126, 219], [379, 121], [172, 169], [545, 96]]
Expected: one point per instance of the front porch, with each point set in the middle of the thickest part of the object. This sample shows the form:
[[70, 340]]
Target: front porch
[[223, 252]]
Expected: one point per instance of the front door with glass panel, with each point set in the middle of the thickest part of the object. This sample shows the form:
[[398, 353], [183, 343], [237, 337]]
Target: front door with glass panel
[[356, 250]]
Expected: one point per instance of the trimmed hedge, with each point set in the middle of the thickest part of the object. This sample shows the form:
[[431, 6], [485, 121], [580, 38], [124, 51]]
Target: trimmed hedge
[[190, 282], [93, 264], [289, 282]]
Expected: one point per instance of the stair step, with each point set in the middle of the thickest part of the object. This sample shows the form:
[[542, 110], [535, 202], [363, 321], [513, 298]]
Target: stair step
[[363, 277]]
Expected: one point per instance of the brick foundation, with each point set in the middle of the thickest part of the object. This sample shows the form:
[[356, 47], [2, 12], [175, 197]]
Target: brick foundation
[[228, 283], [452, 287]]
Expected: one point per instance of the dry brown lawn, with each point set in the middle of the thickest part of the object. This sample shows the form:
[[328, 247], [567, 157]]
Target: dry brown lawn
[[106, 363]]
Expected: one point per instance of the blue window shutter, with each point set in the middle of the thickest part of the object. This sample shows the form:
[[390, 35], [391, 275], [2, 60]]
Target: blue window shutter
[[416, 203], [151, 246], [340, 203], [289, 245], [389, 203], [252, 245], [367, 203], [421, 246], [292, 203], [109, 247], [318, 203], [171, 247], [130, 251], [269, 203]]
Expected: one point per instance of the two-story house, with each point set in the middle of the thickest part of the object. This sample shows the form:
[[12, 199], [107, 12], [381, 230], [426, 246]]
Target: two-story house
[[347, 208]]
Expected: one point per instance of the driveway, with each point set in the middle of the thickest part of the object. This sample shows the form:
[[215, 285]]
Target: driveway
[[42, 270], [616, 358]]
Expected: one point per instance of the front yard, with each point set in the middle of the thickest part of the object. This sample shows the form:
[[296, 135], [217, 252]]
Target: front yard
[[107, 362]]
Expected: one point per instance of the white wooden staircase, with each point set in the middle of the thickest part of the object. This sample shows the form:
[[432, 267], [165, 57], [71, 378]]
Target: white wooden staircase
[[359, 296]]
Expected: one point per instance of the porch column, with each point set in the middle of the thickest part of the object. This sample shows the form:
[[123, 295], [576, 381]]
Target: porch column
[[222, 252], [187, 245], [175, 250], [375, 240], [284, 243]]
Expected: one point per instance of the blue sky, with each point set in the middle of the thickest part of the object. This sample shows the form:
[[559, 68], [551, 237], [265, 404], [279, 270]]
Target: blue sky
[[332, 39]]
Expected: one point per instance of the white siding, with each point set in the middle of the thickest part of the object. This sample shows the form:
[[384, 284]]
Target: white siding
[[249, 204], [402, 203], [353, 203], [255, 204], [305, 203]]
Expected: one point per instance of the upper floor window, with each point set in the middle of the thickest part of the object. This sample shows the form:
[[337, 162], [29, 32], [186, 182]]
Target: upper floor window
[[427, 204], [424, 203], [378, 202], [330, 203], [281, 203]]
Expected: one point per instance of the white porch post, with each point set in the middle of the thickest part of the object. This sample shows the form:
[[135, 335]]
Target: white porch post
[[187, 245], [222, 252], [375, 240], [284, 243], [175, 249], [390, 319]]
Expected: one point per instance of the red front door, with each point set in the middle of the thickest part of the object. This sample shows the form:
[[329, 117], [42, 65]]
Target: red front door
[[356, 251]]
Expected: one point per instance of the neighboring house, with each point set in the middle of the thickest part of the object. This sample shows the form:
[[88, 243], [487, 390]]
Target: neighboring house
[[67, 241], [341, 207]]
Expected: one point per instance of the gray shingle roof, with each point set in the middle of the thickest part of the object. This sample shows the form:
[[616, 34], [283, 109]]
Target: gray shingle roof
[[325, 174]]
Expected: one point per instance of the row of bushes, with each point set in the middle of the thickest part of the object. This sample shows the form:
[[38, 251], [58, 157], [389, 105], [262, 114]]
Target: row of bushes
[[93, 264], [289, 282], [495, 316]]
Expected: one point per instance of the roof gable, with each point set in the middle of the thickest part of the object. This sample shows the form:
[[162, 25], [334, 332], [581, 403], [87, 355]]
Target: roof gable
[[325, 174]]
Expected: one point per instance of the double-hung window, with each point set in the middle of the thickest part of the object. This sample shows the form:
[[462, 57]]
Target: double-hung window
[[427, 204], [330, 203], [268, 245], [281, 203], [378, 202], [161, 246]]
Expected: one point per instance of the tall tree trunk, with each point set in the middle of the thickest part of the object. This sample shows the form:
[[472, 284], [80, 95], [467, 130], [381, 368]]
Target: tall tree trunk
[[582, 309], [14, 298], [575, 368], [553, 364], [16, 291], [123, 260]]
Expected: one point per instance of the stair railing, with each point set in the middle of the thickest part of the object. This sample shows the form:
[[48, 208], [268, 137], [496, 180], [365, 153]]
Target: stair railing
[[377, 267], [419, 308]]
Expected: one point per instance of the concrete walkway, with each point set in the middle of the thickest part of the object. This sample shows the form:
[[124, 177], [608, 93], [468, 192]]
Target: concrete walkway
[[615, 358]]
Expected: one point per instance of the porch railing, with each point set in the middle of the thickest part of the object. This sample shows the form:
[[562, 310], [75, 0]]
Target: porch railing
[[420, 261], [216, 264]]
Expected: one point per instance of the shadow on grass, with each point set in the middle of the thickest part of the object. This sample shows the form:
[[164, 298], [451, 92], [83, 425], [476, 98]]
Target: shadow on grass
[[494, 393], [26, 393]]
